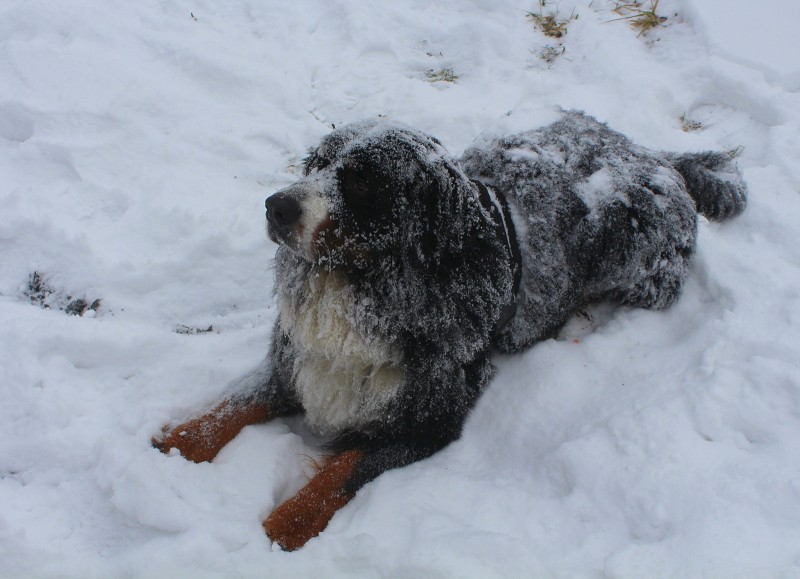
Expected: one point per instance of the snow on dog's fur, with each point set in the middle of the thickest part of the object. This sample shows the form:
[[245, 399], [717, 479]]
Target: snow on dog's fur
[[400, 270]]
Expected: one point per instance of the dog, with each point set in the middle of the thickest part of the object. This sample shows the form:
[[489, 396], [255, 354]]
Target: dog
[[400, 270]]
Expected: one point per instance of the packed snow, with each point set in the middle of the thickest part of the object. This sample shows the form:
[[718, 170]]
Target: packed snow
[[138, 142]]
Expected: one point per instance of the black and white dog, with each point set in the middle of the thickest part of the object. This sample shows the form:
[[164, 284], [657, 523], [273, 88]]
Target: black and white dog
[[400, 270]]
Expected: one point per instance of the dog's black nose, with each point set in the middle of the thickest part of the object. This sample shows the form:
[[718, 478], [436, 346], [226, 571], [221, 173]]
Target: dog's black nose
[[282, 210]]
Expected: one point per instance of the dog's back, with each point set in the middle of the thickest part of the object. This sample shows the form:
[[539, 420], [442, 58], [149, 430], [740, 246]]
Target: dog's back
[[599, 217]]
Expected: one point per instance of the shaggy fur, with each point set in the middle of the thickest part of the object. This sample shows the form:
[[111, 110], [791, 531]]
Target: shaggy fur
[[400, 270]]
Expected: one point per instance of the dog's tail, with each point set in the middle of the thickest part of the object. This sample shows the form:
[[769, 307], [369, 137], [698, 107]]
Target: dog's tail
[[714, 182]]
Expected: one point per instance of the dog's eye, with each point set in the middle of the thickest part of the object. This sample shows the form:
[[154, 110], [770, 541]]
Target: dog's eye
[[355, 187]]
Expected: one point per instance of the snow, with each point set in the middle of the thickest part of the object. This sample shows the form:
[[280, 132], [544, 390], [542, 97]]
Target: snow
[[137, 144], [753, 34]]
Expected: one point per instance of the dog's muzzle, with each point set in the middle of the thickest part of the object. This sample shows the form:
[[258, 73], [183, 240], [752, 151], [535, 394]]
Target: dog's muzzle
[[283, 215]]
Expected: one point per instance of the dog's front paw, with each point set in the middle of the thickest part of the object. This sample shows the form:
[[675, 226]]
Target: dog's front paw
[[201, 438], [306, 514], [301, 518], [190, 439]]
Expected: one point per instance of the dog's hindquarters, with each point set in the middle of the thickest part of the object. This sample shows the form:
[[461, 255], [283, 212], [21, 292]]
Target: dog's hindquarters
[[603, 219], [718, 191], [639, 247]]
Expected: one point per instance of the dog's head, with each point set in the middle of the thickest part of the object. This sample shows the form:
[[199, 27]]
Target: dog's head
[[370, 191]]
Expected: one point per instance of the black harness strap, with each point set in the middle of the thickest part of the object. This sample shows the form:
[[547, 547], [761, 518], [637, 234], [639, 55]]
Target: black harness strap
[[497, 206]]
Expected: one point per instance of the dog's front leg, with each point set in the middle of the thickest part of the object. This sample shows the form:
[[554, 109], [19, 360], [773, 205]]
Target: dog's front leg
[[258, 396], [410, 437], [200, 439], [305, 515]]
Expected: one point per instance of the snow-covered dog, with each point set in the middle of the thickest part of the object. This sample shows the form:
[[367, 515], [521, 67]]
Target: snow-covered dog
[[400, 270]]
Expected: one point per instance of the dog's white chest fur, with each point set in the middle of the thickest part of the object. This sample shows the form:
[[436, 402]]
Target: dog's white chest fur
[[342, 377]]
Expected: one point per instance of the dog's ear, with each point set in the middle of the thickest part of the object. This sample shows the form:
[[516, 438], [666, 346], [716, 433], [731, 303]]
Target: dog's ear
[[445, 217]]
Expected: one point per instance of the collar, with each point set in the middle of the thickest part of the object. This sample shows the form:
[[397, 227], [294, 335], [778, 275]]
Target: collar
[[497, 205]]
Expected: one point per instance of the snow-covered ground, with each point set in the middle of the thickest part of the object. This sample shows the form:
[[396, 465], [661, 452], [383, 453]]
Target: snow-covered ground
[[138, 141]]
